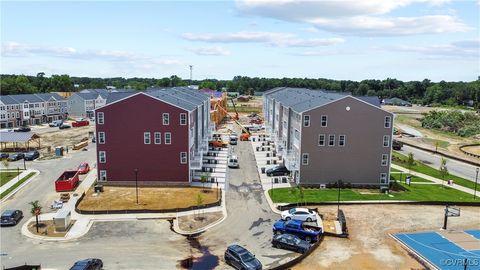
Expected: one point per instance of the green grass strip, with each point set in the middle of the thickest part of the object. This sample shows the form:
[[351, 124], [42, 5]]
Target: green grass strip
[[6, 192]]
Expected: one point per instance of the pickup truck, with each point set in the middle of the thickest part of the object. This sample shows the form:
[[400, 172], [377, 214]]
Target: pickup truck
[[299, 228]]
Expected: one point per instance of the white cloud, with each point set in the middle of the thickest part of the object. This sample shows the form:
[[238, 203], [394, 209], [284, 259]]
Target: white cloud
[[469, 49], [210, 51], [354, 17], [14, 49], [273, 38]]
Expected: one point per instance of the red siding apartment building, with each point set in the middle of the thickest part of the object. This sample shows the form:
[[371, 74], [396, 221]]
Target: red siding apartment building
[[155, 137]]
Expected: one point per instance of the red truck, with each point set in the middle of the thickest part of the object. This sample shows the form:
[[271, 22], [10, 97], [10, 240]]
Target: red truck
[[80, 123], [68, 181]]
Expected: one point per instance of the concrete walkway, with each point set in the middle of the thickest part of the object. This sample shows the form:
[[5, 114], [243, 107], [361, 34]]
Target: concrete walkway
[[433, 179]]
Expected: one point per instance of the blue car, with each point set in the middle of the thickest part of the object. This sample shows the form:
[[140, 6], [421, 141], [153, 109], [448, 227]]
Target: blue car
[[11, 217]]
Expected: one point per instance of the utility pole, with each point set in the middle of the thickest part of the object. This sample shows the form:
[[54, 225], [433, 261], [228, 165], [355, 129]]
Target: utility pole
[[476, 180]]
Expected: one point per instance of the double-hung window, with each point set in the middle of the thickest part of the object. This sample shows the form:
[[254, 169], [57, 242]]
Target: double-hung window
[[183, 119], [100, 118], [157, 137], [321, 140], [168, 138], [331, 140], [101, 137], [146, 138], [384, 159], [386, 141], [324, 120], [166, 119], [306, 120], [305, 158], [388, 122], [102, 156], [341, 140], [103, 176], [183, 157], [383, 178]]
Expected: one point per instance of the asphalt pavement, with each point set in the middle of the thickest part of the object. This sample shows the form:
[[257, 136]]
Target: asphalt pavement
[[455, 167]]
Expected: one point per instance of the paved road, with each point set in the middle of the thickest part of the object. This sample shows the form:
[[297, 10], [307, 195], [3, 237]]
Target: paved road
[[458, 168]]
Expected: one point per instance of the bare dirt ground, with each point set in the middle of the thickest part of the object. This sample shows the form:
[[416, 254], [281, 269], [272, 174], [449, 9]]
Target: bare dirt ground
[[473, 149], [64, 137], [155, 198], [369, 245], [199, 220], [45, 228]]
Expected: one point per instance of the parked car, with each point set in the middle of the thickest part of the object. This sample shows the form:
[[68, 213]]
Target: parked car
[[64, 126], [232, 162], [290, 242], [22, 129], [4, 155], [233, 139], [277, 171], [55, 123], [88, 264], [15, 156], [397, 145], [31, 155], [303, 214], [11, 217], [304, 231], [240, 258], [84, 168]]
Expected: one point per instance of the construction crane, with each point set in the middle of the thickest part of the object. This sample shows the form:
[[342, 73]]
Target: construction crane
[[235, 108], [245, 132]]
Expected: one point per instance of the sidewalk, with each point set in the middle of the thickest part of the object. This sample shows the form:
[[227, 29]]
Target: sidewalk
[[433, 179], [14, 181]]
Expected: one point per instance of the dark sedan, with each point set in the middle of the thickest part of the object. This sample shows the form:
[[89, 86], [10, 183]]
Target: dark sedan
[[278, 171], [11, 217], [291, 242], [64, 126], [16, 156], [88, 264], [31, 155], [241, 258], [22, 129], [4, 155]]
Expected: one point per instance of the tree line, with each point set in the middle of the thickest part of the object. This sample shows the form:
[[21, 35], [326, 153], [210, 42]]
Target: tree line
[[421, 92]]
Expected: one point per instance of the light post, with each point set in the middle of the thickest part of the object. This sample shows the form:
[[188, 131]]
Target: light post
[[136, 184], [476, 180]]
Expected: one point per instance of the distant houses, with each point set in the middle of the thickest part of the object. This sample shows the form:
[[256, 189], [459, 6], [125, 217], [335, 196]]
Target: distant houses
[[396, 102]]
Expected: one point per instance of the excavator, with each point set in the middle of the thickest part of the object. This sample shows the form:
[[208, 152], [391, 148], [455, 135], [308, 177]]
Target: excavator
[[245, 132]]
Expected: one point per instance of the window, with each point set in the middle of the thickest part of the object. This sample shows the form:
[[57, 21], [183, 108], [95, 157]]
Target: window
[[305, 159], [158, 138], [103, 176], [100, 118], [168, 138], [341, 140], [383, 178], [306, 120], [146, 138], [331, 140], [324, 121], [101, 137], [8, 115], [386, 141], [166, 119], [18, 115], [183, 119], [183, 157], [384, 159], [321, 140], [102, 157], [388, 122]]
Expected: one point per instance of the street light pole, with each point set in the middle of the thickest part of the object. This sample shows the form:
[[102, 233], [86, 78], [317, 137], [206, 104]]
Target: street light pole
[[476, 180], [136, 184]]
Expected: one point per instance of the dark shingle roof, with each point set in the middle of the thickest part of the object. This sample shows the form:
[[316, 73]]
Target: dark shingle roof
[[7, 100], [32, 98], [115, 96]]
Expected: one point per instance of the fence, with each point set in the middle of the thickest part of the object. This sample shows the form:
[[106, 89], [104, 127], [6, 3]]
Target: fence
[[468, 153]]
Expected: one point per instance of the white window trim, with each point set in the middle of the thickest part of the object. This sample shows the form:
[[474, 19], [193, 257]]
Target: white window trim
[[326, 120], [333, 140], [166, 123], [169, 136], [344, 140], [100, 118], [104, 173], [100, 135], [303, 158], [389, 123], [305, 120], [383, 176], [181, 158], [145, 138], [387, 141], [100, 154], [185, 123], [159, 138], [384, 159], [324, 139]]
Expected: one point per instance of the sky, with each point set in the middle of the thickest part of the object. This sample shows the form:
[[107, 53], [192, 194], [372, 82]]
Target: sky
[[342, 39]]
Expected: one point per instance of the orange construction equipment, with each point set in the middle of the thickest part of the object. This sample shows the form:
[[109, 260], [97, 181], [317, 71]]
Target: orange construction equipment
[[236, 113], [245, 132]]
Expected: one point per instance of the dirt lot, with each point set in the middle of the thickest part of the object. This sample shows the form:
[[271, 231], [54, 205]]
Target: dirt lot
[[45, 228], [65, 137], [122, 198], [370, 246], [197, 221], [473, 149]]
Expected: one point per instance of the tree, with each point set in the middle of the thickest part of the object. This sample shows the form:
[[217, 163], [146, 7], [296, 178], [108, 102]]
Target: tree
[[36, 210], [301, 194], [443, 169], [203, 179], [199, 200], [410, 162]]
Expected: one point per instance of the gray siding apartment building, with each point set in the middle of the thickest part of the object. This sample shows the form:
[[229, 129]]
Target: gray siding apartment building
[[84, 103], [324, 136]]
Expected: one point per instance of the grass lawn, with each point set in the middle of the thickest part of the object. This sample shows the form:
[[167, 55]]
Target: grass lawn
[[441, 144], [412, 193], [5, 193], [154, 198], [425, 169], [5, 177], [400, 177]]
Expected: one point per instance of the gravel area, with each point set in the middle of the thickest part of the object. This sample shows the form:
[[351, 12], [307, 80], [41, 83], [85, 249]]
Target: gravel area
[[197, 221]]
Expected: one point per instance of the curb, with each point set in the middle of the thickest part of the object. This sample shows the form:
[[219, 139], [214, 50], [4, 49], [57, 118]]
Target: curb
[[21, 186]]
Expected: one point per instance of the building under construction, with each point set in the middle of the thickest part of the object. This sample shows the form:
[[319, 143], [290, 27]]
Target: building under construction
[[218, 105]]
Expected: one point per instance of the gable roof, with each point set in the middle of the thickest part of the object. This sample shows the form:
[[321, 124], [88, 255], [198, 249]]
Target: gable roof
[[17, 136], [7, 100]]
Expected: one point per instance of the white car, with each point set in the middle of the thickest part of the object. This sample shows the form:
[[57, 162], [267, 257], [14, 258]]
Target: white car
[[233, 162], [302, 214]]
